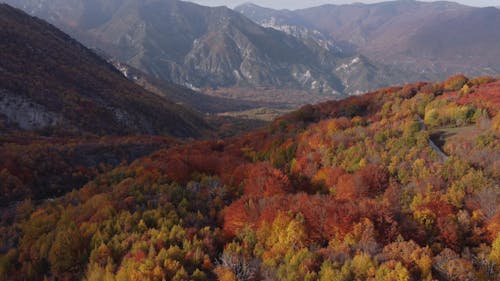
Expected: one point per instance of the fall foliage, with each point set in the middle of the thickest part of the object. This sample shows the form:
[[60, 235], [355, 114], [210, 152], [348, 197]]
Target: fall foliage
[[343, 190]]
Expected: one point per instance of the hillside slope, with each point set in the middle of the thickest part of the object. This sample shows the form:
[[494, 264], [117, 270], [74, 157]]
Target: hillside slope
[[50, 82], [349, 189], [189, 98]]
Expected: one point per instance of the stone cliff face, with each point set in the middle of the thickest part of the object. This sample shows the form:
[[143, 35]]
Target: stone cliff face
[[26, 114]]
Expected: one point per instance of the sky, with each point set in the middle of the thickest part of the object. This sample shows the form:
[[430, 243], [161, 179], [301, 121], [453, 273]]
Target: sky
[[298, 4]]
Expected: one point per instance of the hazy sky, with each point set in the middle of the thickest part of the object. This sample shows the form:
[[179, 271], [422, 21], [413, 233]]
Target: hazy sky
[[297, 4]]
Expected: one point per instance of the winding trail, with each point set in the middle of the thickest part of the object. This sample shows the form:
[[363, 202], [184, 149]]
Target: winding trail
[[443, 156]]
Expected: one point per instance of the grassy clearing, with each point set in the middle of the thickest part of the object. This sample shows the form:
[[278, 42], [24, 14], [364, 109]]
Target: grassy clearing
[[262, 114]]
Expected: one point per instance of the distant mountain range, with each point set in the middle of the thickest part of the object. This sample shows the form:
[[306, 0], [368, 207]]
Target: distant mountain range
[[438, 38], [282, 56], [202, 47], [50, 82], [201, 102]]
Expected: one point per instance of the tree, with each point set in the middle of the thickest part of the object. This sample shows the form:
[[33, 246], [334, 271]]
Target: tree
[[351, 186], [264, 181], [233, 264], [363, 266], [328, 177], [68, 253], [286, 232], [224, 274], [450, 266], [236, 217], [495, 251], [455, 83], [376, 177], [392, 271]]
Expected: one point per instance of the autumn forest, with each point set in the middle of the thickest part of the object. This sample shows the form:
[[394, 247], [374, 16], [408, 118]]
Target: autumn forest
[[397, 184], [165, 140]]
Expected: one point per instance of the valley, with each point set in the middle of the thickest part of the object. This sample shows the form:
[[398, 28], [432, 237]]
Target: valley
[[166, 140]]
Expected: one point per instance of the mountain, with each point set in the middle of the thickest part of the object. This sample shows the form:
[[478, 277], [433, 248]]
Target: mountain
[[440, 38], [288, 22], [201, 102], [356, 189], [50, 82], [202, 47]]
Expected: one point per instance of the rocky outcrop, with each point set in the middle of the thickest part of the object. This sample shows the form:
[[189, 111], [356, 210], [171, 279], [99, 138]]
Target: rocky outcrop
[[27, 114]]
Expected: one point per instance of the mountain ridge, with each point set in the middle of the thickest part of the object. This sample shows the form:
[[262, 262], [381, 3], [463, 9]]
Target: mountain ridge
[[213, 47], [50, 81], [439, 38]]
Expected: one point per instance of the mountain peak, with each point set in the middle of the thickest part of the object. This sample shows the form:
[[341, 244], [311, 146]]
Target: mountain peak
[[248, 5]]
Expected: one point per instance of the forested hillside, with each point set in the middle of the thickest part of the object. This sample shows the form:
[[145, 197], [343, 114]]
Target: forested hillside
[[397, 184], [52, 84]]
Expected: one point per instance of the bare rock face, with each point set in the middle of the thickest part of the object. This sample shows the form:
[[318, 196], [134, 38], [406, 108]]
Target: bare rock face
[[26, 114]]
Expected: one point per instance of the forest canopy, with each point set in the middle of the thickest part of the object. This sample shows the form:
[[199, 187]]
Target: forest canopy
[[397, 184]]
